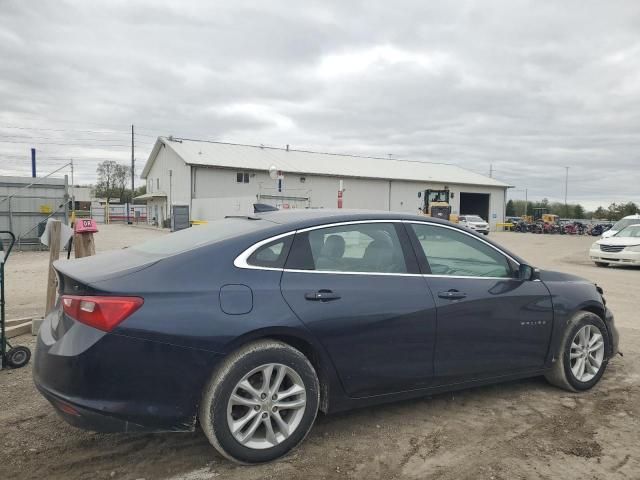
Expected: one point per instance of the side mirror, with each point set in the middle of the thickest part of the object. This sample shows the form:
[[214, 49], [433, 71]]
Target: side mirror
[[527, 272]]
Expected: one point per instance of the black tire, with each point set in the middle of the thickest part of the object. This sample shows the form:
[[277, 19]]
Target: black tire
[[561, 374], [223, 382], [601, 264], [18, 357], [486, 233]]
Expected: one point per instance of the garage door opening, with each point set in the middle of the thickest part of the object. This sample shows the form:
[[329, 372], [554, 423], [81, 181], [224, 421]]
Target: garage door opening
[[475, 204]]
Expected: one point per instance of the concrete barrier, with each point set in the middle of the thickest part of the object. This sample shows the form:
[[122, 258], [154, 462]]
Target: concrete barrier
[[18, 326]]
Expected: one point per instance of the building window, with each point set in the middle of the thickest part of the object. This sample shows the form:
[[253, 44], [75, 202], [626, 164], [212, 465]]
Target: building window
[[242, 177], [150, 185], [158, 183]]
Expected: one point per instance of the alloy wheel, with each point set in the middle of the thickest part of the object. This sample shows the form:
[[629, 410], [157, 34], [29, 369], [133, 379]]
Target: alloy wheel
[[587, 353], [266, 406]]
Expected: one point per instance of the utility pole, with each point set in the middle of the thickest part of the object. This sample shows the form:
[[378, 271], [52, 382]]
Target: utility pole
[[170, 199], [133, 175], [73, 194], [526, 202], [491, 170], [566, 188], [33, 163]]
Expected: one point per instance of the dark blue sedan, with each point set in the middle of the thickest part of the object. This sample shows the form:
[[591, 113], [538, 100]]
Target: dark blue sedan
[[250, 325]]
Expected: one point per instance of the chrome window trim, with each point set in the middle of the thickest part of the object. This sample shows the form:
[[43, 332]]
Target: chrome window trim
[[427, 275], [350, 222], [241, 260], [336, 272]]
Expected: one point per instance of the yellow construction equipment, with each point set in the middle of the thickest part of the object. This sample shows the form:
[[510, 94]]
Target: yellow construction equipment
[[435, 203]]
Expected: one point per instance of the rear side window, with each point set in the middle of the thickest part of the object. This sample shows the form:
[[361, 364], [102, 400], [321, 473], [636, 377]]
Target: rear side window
[[367, 247], [271, 255]]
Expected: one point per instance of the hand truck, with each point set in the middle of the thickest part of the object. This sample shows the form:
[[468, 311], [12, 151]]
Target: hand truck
[[14, 357]]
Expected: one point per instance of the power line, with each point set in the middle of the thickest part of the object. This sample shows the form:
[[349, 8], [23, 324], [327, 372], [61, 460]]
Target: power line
[[101, 132], [74, 139], [38, 180], [62, 129], [66, 144], [97, 124]]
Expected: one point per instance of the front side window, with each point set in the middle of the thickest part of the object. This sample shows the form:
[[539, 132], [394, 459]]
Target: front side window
[[453, 253], [366, 247]]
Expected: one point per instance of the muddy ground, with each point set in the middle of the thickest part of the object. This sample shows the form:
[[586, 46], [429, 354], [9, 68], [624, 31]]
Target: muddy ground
[[525, 429]]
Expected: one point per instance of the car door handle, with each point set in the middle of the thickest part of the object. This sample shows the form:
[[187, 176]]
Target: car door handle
[[452, 295], [322, 296]]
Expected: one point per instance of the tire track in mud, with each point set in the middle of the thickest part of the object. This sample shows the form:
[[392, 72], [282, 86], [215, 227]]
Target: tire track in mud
[[566, 436]]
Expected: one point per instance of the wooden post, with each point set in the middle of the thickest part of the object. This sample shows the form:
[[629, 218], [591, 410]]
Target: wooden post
[[54, 254], [84, 245]]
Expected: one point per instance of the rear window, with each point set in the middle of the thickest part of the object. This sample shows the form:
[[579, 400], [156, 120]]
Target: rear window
[[200, 235]]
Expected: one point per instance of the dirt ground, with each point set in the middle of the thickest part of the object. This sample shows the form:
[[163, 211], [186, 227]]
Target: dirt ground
[[525, 429]]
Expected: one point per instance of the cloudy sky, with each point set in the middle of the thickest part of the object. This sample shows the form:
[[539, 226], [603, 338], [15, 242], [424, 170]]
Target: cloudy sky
[[528, 87]]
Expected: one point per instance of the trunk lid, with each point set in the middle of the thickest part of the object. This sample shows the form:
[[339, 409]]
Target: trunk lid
[[105, 266]]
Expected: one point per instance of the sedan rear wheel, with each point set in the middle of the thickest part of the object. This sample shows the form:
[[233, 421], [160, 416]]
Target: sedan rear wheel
[[260, 403], [266, 406], [601, 264], [583, 357]]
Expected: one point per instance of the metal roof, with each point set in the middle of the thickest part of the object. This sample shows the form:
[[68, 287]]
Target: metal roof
[[252, 157]]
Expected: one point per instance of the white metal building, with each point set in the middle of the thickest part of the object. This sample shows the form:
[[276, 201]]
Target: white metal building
[[216, 179]]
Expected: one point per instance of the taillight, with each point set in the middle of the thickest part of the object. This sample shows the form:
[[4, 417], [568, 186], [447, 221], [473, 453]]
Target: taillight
[[103, 313]]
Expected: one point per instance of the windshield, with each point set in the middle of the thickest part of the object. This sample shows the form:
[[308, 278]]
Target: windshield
[[625, 222], [200, 235], [474, 218], [630, 231]]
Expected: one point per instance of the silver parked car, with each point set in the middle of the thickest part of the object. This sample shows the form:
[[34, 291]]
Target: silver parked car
[[475, 223]]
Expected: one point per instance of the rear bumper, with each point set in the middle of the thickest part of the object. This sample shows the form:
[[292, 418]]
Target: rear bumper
[[87, 418], [114, 383]]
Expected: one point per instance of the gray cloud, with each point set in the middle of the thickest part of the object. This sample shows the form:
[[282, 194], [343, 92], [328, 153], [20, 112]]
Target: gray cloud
[[525, 86]]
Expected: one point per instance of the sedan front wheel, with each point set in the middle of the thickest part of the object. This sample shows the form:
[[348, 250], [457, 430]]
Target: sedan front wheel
[[583, 358], [260, 403]]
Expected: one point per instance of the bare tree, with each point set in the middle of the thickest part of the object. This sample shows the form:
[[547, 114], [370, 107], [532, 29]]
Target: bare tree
[[112, 180], [121, 182]]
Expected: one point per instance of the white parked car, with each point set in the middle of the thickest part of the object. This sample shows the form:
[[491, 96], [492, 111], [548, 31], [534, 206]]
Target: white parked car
[[474, 222], [620, 224], [623, 248]]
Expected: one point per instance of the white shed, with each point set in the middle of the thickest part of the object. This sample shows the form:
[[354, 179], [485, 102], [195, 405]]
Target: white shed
[[216, 179]]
